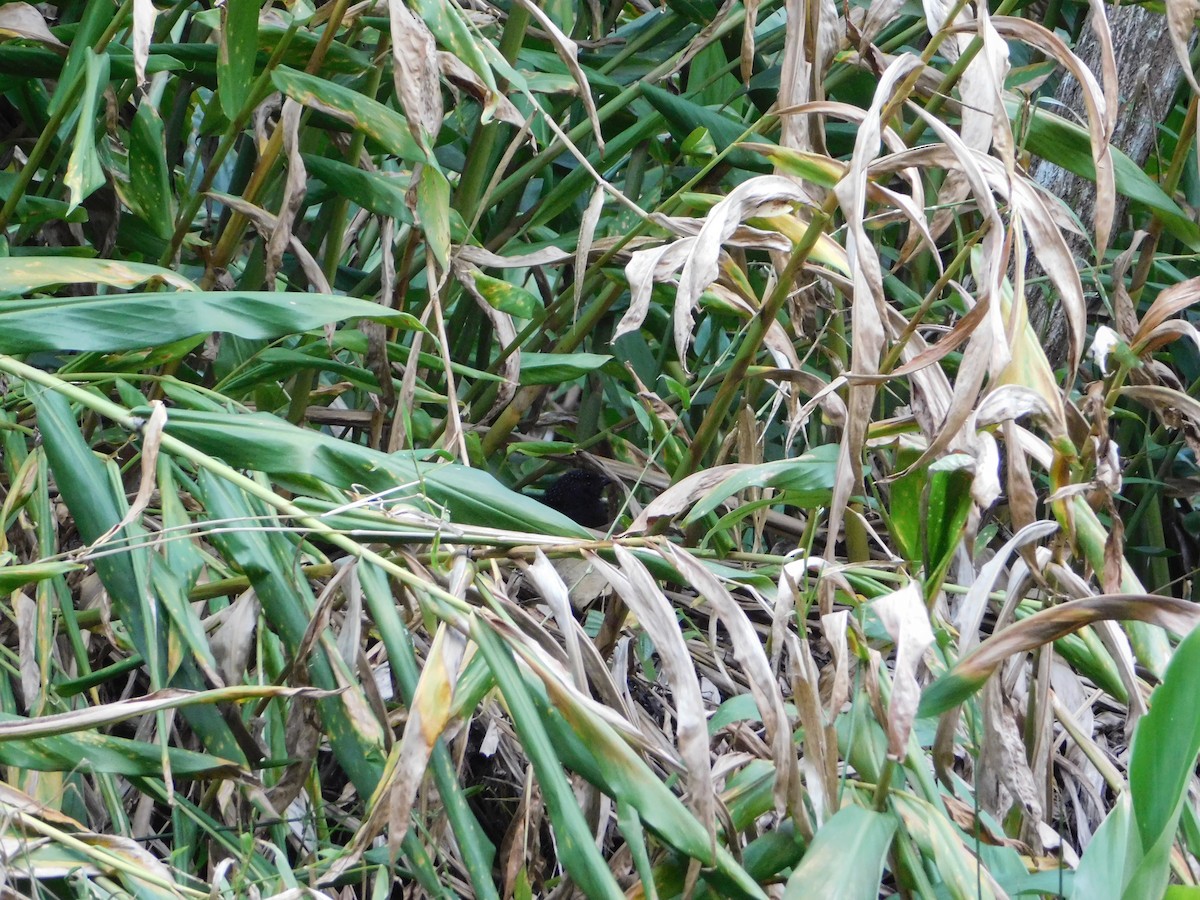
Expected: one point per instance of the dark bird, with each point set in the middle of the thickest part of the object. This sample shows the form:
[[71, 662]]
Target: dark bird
[[579, 495]]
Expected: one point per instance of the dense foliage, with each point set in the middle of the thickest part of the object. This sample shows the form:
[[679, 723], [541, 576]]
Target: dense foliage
[[302, 309]]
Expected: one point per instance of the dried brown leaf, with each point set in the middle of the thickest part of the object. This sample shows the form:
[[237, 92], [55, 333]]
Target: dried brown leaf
[[1181, 20], [144, 14], [641, 593], [1099, 118], [749, 653], [20, 20], [416, 70], [1174, 299], [568, 52], [906, 619]]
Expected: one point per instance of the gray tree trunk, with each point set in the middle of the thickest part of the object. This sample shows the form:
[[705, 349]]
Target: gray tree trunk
[[1148, 75]]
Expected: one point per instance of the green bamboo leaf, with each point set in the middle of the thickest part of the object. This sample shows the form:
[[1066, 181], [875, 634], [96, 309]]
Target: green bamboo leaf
[[853, 834], [813, 167], [15, 577], [904, 506], [86, 487], [941, 843], [288, 605], [369, 116], [84, 174], [509, 298], [302, 457], [149, 188], [235, 54], [31, 210], [23, 275], [556, 368], [91, 752], [381, 193], [684, 116], [1113, 853], [591, 747], [96, 17], [1162, 761], [807, 481], [130, 321], [944, 515], [433, 212]]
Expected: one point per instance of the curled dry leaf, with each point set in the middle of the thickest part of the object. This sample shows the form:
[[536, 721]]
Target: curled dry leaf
[[295, 188], [643, 596], [20, 20], [428, 716], [1181, 20], [906, 619], [495, 104], [1173, 300], [749, 653], [568, 52], [869, 310], [675, 499], [1099, 117], [506, 334], [416, 70], [765, 195], [485, 259], [265, 222], [970, 673], [587, 231], [549, 584], [144, 14]]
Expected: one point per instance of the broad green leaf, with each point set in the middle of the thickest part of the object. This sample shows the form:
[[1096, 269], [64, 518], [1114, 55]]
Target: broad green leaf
[[509, 298], [944, 515], [84, 174], [33, 210], [378, 192], [369, 116], [279, 363], [904, 507], [129, 321], [267, 557], [814, 167], [86, 487], [556, 368], [271, 445], [433, 213], [235, 54], [1113, 853], [15, 577], [96, 17], [22, 275], [684, 117], [591, 747], [149, 186], [846, 858], [806, 481], [1163, 758], [92, 752]]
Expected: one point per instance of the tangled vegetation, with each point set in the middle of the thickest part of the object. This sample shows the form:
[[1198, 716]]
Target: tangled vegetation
[[303, 309]]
